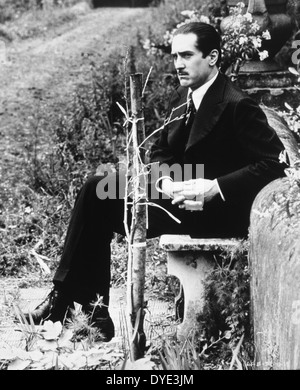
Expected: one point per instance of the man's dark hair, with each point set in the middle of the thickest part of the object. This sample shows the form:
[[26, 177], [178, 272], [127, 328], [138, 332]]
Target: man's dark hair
[[208, 38]]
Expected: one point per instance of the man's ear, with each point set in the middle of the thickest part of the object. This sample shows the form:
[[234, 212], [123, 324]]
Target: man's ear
[[213, 57]]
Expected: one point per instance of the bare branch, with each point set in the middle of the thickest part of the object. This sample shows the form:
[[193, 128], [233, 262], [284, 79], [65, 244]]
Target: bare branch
[[167, 122], [146, 82]]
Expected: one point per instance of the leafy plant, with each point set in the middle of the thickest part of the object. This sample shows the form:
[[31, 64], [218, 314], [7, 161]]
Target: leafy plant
[[242, 39], [81, 327], [227, 305], [27, 328], [292, 117], [51, 347], [175, 355]]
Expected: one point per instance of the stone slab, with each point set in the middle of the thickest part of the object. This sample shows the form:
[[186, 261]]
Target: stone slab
[[174, 242]]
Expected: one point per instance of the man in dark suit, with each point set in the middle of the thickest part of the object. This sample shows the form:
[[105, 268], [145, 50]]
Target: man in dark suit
[[210, 124]]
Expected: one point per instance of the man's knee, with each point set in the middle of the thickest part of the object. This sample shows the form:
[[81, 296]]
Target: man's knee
[[88, 189], [111, 186], [91, 183]]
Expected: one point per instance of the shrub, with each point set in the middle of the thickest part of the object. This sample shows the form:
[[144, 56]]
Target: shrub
[[227, 306], [292, 117]]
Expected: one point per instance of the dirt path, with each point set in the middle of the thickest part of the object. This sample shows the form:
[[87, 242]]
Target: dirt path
[[45, 71]]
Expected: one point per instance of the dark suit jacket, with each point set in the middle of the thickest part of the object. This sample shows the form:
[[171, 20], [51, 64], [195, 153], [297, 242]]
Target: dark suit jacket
[[231, 137]]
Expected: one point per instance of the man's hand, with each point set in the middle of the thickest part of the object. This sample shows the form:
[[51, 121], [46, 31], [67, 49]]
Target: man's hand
[[173, 188], [167, 187], [186, 204], [192, 194]]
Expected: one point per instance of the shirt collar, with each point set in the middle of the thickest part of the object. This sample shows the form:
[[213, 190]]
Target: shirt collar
[[199, 93]]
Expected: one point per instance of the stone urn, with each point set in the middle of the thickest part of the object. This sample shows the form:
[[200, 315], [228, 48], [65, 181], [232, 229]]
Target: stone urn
[[270, 15]]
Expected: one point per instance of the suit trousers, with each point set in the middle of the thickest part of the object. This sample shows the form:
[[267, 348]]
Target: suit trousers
[[84, 268]]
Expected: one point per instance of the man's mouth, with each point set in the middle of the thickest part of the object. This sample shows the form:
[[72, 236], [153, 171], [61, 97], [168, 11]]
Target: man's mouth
[[183, 76]]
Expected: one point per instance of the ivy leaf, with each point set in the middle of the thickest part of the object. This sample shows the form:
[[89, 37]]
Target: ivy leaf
[[47, 345], [8, 353], [51, 331], [75, 361], [294, 71], [140, 364], [227, 334], [123, 110], [288, 106], [13, 353], [46, 363], [65, 339], [18, 364]]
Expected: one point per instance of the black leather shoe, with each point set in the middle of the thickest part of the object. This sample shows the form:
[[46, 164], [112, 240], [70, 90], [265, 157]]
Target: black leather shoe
[[100, 319], [56, 307]]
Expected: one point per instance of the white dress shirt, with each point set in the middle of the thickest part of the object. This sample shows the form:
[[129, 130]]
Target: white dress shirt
[[197, 96]]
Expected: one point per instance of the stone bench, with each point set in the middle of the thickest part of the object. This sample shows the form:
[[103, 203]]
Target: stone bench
[[190, 260]]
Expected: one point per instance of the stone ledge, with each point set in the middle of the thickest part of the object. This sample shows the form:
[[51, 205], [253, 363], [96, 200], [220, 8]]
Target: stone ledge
[[176, 242], [277, 79]]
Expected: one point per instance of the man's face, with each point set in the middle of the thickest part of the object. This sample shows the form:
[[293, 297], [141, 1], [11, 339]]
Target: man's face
[[192, 69]]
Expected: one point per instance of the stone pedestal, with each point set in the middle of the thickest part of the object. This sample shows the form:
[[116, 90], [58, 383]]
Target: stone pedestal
[[269, 84], [271, 88], [191, 260]]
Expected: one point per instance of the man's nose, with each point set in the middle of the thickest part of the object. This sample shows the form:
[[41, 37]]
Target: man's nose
[[179, 63]]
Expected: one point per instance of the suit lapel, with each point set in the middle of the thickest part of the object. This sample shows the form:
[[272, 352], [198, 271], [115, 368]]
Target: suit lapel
[[209, 112]]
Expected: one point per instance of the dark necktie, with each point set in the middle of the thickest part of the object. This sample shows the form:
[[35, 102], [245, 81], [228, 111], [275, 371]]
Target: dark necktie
[[189, 117]]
